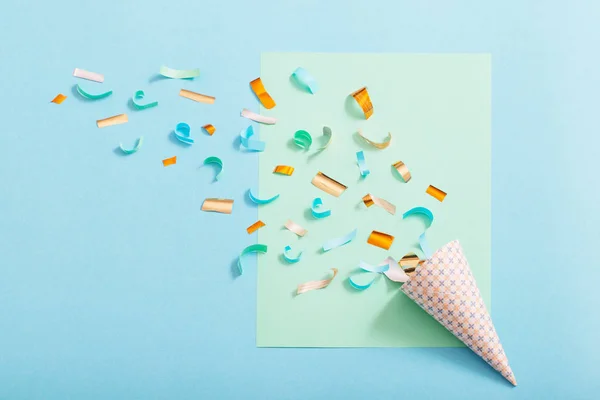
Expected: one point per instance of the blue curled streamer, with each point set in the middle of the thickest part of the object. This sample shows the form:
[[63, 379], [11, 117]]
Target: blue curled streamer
[[287, 256], [261, 201], [316, 209], [422, 238], [362, 163], [248, 143], [305, 80], [380, 269], [337, 242], [182, 133]]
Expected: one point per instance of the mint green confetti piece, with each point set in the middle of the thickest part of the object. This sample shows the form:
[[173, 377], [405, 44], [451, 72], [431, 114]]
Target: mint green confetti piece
[[139, 95], [90, 96], [137, 146]]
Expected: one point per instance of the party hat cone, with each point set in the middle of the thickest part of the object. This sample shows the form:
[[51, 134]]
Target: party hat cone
[[445, 287]]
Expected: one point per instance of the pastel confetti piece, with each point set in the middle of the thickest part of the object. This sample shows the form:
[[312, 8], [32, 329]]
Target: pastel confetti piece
[[302, 139], [262, 94], [364, 101], [428, 221], [115, 120], [362, 164], [248, 143], [386, 142], [261, 201], [90, 76], [294, 227], [198, 97], [409, 262], [258, 118], [305, 80], [380, 239], [135, 148], [389, 268], [369, 200], [209, 129], [327, 134], [314, 285], [255, 226], [328, 185], [223, 206], [424, 245], [337, 242], [139, 95], [169, 161], [436, 193], [395, 273], [179, 74], [59, 98], [284, 170], [182, 133], [91, 96], [255, 248], [317, 209], [402, 170], [215, 160], [358, 286], [290, 259]]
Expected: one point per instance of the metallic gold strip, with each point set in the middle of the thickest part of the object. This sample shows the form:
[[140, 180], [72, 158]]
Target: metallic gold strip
[[410, 262], [200, 98], [284, 170], [314, 285], [116, 120], [170, 161], [380, 239], [435, 192], [209, 129], [402, 170], [255, 226], [328, 185], [369, 200], [59, 98], [224, 206], [294, 227], [386, 142], [364, 101], [259, 90]]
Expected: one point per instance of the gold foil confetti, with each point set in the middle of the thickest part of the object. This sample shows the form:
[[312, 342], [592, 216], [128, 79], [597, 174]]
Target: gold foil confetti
[[402, 170], [259, 90], [380, 239], [284, 170], [435, 192], [294, 227], [169, 161], [200, 98], [224, 206], [314, 285], [364, 101], [59, 98], [255, 226], [116, 120], [369, 200], [328, 185], [209, 129], [410, 262], [386, 142]]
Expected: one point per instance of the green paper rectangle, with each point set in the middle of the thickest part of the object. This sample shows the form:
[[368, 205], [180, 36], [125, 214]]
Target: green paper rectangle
[[438, 109]]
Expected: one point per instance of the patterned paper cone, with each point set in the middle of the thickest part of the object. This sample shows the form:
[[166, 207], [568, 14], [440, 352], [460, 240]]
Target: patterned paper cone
[[445, 287]]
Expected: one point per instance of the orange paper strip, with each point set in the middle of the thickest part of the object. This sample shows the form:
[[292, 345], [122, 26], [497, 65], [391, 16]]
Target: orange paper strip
[[364, 101], [380, 239], [402, 170], [314, 285], [59, 98], [260, 92], [170, 161], [435, 192], [284, 170], [200, 98], [328, 185], [255, 226], [224, 206], [116, 120], [209, 129]]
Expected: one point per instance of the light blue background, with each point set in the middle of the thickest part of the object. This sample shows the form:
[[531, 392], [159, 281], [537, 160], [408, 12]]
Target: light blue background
[[114, 285]]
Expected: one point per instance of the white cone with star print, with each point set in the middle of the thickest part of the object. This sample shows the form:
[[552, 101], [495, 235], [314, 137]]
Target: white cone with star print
[[445, 287]]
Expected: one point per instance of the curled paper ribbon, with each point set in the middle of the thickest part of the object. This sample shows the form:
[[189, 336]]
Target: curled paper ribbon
[[317, 211], [337, 242], [198, 97], [260, 92], [258, 118], [364, 101], [135, 148], [305, 80], [255, 248], [328, 185], [261, 201], [314, 285], [209, 129], [248, 143], [59, 98], [139, 95], [380, 269], [380, 239], [91, 96], [169, 161], [215, 160], [178, 73], [436, 193], [255, 226], [223, 206], [182, 133], [369, 200], [386, 142], [288, 257], [294, 227], [328, 135], [116, 120], [429, 220], [302, 139], [362, 164], [284, 170], [395, 273], [402, 170], [90, 76]]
